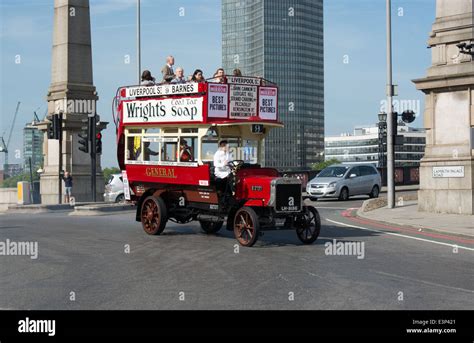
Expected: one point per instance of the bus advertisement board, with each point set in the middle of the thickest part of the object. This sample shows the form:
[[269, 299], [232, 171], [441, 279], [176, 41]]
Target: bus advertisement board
[[267, 103], [243, 101], [163, 110], [159, 90], [217, 101]]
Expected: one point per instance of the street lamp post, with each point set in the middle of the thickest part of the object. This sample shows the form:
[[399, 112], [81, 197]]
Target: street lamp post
[[382, 140], [139, 67], [390, 126]]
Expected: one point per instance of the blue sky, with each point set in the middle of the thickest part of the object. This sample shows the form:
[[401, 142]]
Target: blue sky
[[353, 29]]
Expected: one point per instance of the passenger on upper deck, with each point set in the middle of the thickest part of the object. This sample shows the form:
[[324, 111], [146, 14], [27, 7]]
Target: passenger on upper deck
[[179, 76], [237, 72], [147, 79], [167, 70], [219, 76], [197, 76]]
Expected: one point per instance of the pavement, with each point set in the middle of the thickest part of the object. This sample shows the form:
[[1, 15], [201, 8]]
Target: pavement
[[108, 262], [77, 209], [401, 188], [406, 214]]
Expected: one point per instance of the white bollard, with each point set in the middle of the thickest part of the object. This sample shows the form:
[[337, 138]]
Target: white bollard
[[23, 191]]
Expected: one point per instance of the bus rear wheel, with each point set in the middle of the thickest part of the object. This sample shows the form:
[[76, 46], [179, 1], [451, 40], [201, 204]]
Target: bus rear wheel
[[153, 215]]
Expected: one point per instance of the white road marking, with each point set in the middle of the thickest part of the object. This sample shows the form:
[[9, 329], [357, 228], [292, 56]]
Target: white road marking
[[400, 235], [423, 281], [332, 208]]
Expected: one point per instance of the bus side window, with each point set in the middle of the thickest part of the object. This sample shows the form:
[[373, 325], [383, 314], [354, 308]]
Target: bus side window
[[169, 151], [209, 144], [151, 148], [133, 151], [187, 149]]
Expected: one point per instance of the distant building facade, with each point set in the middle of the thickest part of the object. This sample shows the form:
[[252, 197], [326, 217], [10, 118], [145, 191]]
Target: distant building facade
[[12, 169], [282, 41], [363, 146]]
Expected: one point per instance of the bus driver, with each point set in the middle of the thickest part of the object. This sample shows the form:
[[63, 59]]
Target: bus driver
[[222, 157]]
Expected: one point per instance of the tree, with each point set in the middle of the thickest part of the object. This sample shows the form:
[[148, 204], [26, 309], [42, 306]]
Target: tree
[[11, 182], [324, 164], [108, 173]]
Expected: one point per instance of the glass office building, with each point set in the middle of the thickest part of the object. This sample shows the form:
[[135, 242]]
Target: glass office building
[[32, 148], [282, 41]]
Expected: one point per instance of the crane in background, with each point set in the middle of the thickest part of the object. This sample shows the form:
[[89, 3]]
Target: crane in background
[[35, 117], [4, 146]]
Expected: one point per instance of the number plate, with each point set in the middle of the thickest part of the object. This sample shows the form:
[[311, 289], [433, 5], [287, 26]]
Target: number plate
[[288, 198]]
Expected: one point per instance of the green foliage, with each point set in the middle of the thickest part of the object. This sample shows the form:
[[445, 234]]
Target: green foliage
[[324, 164], [11, 182], [108, 172]]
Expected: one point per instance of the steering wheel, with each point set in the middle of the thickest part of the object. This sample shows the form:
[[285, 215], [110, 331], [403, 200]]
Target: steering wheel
[[235, 164]]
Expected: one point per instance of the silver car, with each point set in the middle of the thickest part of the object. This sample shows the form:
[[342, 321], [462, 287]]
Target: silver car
[[114, 189], [343, 180]]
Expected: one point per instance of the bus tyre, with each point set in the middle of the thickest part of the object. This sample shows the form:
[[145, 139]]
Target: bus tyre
[[210, 227], [246, 226], [153, 215], [308, 225]]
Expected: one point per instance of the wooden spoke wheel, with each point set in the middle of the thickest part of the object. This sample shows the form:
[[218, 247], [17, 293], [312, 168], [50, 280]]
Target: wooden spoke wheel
[[246, 226], [153, 215], [308, 225]]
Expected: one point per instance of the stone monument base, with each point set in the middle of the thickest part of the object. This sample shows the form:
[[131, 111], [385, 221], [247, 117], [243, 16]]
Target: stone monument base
[[446, 194], [81, 190]]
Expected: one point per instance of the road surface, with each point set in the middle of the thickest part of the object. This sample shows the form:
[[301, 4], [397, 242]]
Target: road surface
[[108, 262]]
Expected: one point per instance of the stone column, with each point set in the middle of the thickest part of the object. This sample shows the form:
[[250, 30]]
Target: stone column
[[447, 169], [71, 91]]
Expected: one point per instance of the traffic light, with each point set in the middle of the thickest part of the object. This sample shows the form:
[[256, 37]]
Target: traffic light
[[54, 128], [57, 125], [84, 143], [98, 143], [84, 137], [50, 131], [90, 133]]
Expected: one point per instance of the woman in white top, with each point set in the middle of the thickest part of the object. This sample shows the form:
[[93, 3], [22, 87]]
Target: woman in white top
[[147, 79]]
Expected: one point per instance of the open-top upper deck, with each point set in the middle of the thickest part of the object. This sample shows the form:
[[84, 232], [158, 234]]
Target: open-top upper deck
[[238, 100]]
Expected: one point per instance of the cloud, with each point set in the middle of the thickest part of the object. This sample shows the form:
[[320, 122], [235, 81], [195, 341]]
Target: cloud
[[20, 27], [98, 7]]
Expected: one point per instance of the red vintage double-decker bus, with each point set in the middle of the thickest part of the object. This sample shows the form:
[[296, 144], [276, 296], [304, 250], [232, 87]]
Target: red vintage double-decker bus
[[167, 136]]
